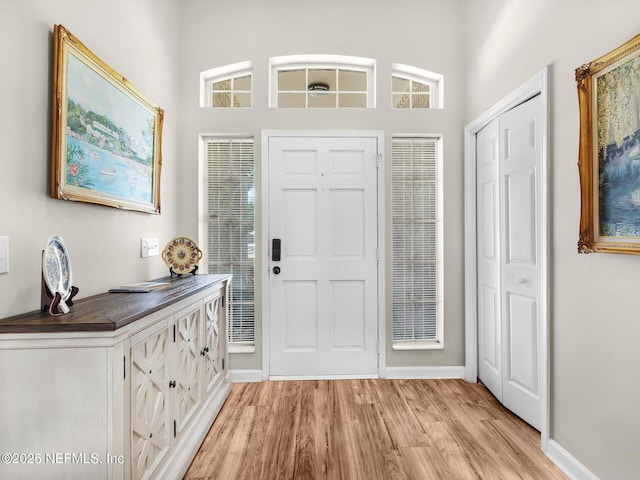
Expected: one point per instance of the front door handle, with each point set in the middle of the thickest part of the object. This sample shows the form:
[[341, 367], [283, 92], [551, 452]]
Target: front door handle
[[276, 270]]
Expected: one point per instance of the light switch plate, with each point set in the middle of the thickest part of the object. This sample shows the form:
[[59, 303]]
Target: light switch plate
[[149, 247], [4, 254]]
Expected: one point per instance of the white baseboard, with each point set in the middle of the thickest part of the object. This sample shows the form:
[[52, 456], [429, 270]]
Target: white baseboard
[[279, 378], [238, 376], [568, 463], [388, 372], [422, 372]]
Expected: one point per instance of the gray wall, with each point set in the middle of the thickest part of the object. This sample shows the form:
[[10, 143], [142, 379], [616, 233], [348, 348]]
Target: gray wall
[[138, 39], [426, 34], [595, 328]]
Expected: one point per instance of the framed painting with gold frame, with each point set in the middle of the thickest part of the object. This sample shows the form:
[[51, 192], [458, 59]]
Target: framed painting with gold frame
[[609, 152], [106, 137]]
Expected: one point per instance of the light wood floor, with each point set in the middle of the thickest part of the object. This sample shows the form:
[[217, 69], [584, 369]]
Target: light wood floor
[[369, 430]]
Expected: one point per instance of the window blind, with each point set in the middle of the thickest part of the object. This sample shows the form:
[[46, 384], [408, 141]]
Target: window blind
[[415, 239], [230, 229]]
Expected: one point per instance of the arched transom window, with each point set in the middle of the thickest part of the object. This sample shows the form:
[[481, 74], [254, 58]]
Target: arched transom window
[[413, 87], [229, 86], [322, 81]]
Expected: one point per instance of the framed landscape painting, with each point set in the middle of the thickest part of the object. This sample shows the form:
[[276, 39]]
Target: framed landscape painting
[[106, 138], [609, 153]]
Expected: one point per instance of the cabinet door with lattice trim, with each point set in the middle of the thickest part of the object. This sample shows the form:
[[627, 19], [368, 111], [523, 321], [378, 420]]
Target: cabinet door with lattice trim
[[189, 367], [150, 415], [214, 345]]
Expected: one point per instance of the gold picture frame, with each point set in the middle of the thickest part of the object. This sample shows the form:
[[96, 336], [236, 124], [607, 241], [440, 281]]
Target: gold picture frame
[[609, 152], [106, 137]]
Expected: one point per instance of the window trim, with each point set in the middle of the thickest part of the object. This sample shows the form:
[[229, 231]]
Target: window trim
[[438, 343], [337, 62], [434, 80], [225, 72]]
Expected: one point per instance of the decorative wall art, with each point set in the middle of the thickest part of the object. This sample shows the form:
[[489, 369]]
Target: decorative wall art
[[609, 153], [106, 137]]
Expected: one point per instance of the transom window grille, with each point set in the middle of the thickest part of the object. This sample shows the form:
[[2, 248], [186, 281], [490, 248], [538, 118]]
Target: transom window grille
[[415, 88], [227, 87], [322, 81], [229, 237], [416, 243], [409, 93]]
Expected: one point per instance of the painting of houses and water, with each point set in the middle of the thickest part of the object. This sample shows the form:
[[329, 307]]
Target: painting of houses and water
[[618, 133], [109, 137]]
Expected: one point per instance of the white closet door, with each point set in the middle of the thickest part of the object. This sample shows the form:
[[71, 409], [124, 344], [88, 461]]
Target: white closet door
[[488, 244], [520, 170], [509, 253]]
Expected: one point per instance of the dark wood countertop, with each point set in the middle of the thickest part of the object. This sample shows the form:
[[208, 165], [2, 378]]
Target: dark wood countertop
[[110, 311]]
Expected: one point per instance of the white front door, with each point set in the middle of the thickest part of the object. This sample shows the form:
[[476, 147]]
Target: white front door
[[509, 258], [323, 288]]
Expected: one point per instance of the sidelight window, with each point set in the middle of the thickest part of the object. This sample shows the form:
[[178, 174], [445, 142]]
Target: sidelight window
[[228, 208], [416, 243]]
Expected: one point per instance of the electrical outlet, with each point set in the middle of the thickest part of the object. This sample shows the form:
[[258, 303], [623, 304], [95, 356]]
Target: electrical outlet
[[4, 254], [149, 247]]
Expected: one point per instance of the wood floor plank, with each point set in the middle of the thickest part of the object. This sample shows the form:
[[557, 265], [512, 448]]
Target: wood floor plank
[[281, 435], [257, 450], [206, 460], [312, 437], [233, 462], [522, 439], [369, 430], [400, 420]]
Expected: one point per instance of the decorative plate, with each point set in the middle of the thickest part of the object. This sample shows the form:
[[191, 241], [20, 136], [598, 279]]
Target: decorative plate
[[56, 267], [181, 255]]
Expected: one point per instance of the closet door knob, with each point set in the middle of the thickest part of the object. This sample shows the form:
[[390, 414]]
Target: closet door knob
[[521, 280]]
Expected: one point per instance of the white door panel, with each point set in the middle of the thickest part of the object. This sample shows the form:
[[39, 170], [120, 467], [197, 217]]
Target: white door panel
[[300, 223], [489, 213], [348, 228], [520, 218], [490, 331], [300, 316], [348, 309], [522, 331], [323, 302]]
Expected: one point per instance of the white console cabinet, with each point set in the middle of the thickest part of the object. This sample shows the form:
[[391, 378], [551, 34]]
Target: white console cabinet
[[126, 386]]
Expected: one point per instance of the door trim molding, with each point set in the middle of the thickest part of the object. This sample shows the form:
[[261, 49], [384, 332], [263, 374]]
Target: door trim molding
[[537, 85], [264, 235]]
